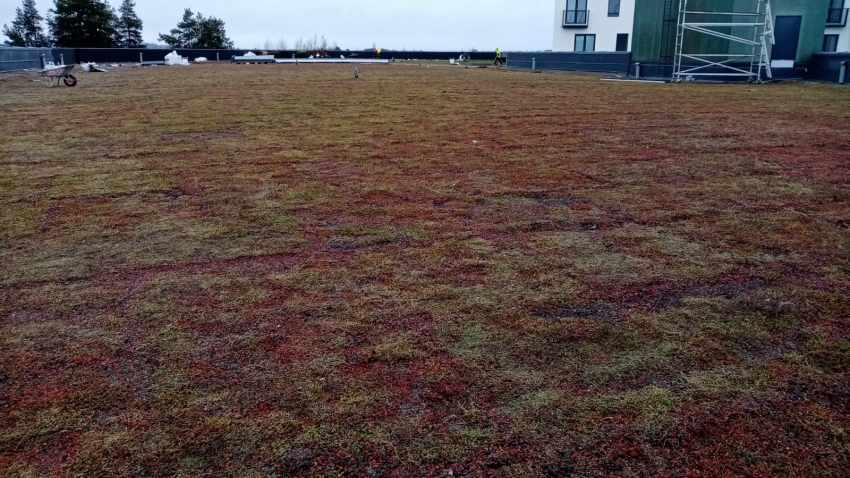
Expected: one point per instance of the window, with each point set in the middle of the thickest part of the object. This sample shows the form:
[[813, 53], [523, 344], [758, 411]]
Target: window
[[622, 42], [576, 13], [613, 8], [830, 43], [585, 43], [837, 15]]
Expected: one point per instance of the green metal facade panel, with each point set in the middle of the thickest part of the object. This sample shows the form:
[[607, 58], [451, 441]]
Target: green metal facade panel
[[646, 37], [649, 23]]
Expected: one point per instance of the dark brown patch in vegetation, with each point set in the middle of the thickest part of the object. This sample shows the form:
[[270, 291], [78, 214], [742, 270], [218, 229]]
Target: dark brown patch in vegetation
[[557, 202], [299, 459], [603, 312]]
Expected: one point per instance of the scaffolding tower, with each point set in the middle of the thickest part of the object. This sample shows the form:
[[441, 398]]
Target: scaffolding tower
[[750, 31]]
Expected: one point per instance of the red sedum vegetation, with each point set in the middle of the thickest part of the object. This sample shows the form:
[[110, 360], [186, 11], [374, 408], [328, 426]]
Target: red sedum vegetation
[[276, 270]]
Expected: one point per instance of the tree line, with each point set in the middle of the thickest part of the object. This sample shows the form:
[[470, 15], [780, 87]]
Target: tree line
[[96, 24], [311, 43]]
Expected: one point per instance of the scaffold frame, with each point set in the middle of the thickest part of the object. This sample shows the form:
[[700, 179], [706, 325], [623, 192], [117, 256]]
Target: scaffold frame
[[758, 22]]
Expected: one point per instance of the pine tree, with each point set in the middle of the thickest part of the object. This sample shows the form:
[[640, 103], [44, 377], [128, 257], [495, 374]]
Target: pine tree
[[83, 24], [26, 29], [129, 26], [186, 33], [213, 35], [197, 31]]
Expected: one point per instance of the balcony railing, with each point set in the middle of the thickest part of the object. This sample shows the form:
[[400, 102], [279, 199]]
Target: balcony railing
[[576, 18], [837, 17]]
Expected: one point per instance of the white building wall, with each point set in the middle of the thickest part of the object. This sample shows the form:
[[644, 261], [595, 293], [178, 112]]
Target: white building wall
[[599, 23], [843, 37]]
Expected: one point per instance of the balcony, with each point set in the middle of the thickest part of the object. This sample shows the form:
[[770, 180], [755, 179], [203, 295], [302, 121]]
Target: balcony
[[837, 17], [576, 18]]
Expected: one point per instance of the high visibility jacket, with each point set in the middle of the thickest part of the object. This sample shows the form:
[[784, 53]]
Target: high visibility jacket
[[379, 51], [498, 52]]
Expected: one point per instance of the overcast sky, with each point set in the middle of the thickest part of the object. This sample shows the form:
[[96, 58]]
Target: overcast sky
[[391, 24]]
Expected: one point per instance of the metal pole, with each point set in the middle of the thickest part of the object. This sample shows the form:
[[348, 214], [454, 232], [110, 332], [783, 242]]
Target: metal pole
[[681, 19], [141, 57], [842, 77], [755, 39], [637, 70], [217, 58], [61, 59], [533, 64], [43, 64]]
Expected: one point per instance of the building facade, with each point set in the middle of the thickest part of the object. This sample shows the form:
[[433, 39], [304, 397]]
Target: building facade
[[647, 28], [800, 24], [594, 25], [837, 35]]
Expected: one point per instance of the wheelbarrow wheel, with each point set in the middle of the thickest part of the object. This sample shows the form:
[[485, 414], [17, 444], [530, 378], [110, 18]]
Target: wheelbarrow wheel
[[70, 81]]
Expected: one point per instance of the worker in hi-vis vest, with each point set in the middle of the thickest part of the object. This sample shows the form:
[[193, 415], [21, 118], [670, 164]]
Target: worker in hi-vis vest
[[498, 56]]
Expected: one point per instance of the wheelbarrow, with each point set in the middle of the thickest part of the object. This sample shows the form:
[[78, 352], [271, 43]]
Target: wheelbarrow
[[52, 73]]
